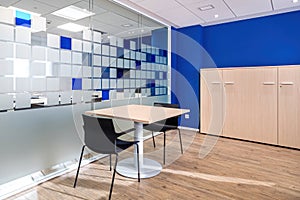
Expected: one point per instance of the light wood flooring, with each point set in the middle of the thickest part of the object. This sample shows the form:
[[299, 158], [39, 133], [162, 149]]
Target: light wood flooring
[[232, 170]]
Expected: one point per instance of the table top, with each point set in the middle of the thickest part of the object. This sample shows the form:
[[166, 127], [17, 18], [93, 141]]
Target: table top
[[139, 113]]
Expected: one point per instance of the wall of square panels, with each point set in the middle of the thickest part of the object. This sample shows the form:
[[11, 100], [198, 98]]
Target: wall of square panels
[[54, 66]]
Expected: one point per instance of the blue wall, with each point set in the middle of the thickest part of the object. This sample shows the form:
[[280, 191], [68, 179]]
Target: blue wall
[[272, 40], [186, 62]]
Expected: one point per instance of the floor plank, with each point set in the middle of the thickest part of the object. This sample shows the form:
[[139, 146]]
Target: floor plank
[[232, 170]]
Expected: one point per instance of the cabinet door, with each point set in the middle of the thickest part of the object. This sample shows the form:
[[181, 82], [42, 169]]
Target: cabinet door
[[289, 106], [211, 95], [251, 104]]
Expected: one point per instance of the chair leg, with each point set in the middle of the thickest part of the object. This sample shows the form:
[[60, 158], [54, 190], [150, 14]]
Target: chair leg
[[180, 140], [79, 166], [109, 162], [138, 162], [164, 148], [153, 140], [113, 178]]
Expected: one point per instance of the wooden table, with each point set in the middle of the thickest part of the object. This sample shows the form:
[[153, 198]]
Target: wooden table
[[140, 114]]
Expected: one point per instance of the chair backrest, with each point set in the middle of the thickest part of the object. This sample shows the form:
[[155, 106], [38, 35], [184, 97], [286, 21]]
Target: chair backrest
[[99, 134], [173, 121]]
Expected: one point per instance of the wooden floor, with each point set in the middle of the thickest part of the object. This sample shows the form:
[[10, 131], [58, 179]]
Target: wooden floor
[[232, 170]]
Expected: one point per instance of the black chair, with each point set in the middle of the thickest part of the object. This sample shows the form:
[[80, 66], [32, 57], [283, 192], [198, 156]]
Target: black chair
[[164, 126], [100, 136]]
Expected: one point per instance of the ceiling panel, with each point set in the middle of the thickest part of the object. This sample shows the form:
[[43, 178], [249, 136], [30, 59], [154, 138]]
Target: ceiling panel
[[249, 7], [35, 6], [58, 3], [282, 4], [219, 12], [158, 5], [180, 16], [7, 3]]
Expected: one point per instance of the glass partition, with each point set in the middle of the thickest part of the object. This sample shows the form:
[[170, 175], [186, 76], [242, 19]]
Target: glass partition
[[61, 58]]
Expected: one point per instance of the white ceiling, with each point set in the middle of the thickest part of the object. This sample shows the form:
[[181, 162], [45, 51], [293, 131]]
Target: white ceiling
[[109, 17], [181, 13]]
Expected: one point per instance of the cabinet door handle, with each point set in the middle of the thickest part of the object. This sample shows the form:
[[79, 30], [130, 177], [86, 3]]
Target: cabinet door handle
[[229, 83], [215, 83], [269, 83], [286, 83]]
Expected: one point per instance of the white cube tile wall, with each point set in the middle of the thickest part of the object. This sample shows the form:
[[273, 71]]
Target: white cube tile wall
[[23, 100], [65, 84], [105, 50], [23, 51], [105, 61], [65, 56], [87, 47], [65, 97], [38, 23], [52, 84], [38, 84], [76, 71], [39, 53], [113, 51], [6, 102], [23, 85], [97, 84], [87, 71], [52, 98], [97, 48], [97, 60], [7, 50], [6, 67], [97, 36], [53, 40], [76, 45], [97, 72], [86, 84], [6, 32], [77, 58], [6, 84], [38, 69], [53, 55], [105, 83], [7, 15], [87, 35], [23, 34], [65, 70], [113, 62]]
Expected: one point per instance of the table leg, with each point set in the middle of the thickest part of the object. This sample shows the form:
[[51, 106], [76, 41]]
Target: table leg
[[148, 167]]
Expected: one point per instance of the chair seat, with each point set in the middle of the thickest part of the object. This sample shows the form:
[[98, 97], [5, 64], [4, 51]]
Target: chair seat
[[122, 144], [157, 127]]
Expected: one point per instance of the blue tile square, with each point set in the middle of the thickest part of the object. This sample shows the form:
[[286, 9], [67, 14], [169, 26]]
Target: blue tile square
[[23, 19], [105, 94], [105, 72], [76, 84], [65, 43]]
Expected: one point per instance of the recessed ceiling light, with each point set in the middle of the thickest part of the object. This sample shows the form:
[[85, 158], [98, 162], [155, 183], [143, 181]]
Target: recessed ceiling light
[[72, 27], [126, 25], [216, 16], [207, 7], [73, 13], [295, 1], [26, 11]]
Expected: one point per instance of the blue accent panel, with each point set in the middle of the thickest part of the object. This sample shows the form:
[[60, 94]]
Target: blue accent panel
[[23, 15], [23, 19], [152, 91], [186, 61], [105, 72], [120, 52], [120, 73], [160, 38], [23, 22], [76, 84], [65, 43], [138, 64], [271, 40], [105, 94]]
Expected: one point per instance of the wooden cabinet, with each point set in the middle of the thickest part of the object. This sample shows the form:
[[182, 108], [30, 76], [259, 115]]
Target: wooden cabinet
[[289, 106], [211, 104], [251, 104], [259, 104]]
